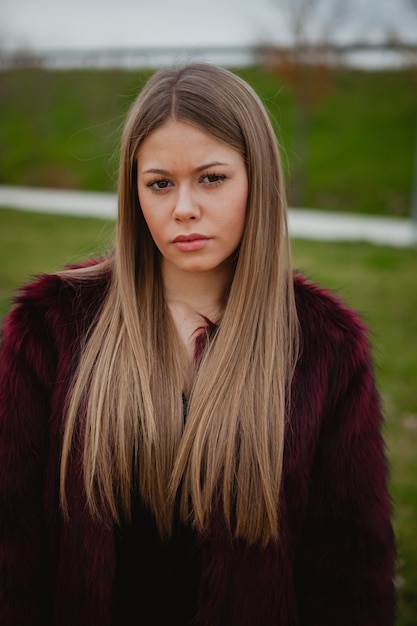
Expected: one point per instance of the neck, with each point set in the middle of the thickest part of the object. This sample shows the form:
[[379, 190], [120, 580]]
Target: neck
[[201, 292]]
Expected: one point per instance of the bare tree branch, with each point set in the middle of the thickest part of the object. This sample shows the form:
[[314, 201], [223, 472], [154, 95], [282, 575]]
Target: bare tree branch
[[313, 21]]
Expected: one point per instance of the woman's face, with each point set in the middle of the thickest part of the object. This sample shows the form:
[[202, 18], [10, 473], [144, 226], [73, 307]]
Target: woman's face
[[193, 193]]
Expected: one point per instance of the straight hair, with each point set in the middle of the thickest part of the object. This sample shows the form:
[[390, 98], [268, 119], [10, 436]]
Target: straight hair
[[125, 406]]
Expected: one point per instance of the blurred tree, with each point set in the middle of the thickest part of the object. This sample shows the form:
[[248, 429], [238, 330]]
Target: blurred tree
[[307, 65]]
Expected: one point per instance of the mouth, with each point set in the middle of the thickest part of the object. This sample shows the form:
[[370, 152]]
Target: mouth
[[190, 243], [190, 237]]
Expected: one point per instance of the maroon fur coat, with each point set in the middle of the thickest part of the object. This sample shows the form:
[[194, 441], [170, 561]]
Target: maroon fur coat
[[334, 563]]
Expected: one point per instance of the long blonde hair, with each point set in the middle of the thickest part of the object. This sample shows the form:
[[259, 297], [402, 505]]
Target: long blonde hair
[[126, 398]]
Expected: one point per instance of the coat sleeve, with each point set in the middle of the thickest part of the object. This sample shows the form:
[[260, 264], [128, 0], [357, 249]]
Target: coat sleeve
[[347, 550], [25, 379]]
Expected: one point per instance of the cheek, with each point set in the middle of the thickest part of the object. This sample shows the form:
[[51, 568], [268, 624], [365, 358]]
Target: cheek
[[154, 228], [240, 214], [148, 212], [152, 223]]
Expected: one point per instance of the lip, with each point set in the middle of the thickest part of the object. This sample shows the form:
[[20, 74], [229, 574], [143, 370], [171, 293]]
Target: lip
[[191, 242]]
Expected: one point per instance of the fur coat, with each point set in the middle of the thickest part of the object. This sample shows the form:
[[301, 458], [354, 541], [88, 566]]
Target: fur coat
[[334, 562]]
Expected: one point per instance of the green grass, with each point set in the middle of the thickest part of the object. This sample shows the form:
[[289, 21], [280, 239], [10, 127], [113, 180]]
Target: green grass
[[61, 129], [360, 144], [31, 243], [378, 281]]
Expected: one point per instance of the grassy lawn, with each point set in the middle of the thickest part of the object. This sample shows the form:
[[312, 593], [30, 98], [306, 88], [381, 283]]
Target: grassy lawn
[[380, 282], [355, 151], [31, 243]]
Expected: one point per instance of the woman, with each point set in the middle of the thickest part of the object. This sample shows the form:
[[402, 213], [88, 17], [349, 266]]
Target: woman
[[189, 433]]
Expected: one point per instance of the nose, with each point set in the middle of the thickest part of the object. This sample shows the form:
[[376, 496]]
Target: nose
[[186, 206]]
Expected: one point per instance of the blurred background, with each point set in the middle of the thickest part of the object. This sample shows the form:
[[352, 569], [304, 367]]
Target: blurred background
[[346, 121], [339, 80]]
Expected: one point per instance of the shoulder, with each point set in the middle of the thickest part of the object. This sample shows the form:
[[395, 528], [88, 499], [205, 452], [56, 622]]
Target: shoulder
[[334, 377], [319, 305], [54, 302], [329, 327]]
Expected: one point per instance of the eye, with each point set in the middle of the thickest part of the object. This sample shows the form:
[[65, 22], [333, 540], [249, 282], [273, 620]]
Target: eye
[[159, 185], [213, 178]]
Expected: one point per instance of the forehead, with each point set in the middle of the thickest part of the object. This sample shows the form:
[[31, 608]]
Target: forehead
[[178, 140]]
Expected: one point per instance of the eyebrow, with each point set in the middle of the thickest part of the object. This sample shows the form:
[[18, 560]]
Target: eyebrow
[[200, 168]]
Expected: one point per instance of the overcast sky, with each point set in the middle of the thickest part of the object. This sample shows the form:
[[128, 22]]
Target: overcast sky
[[47, 24]]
